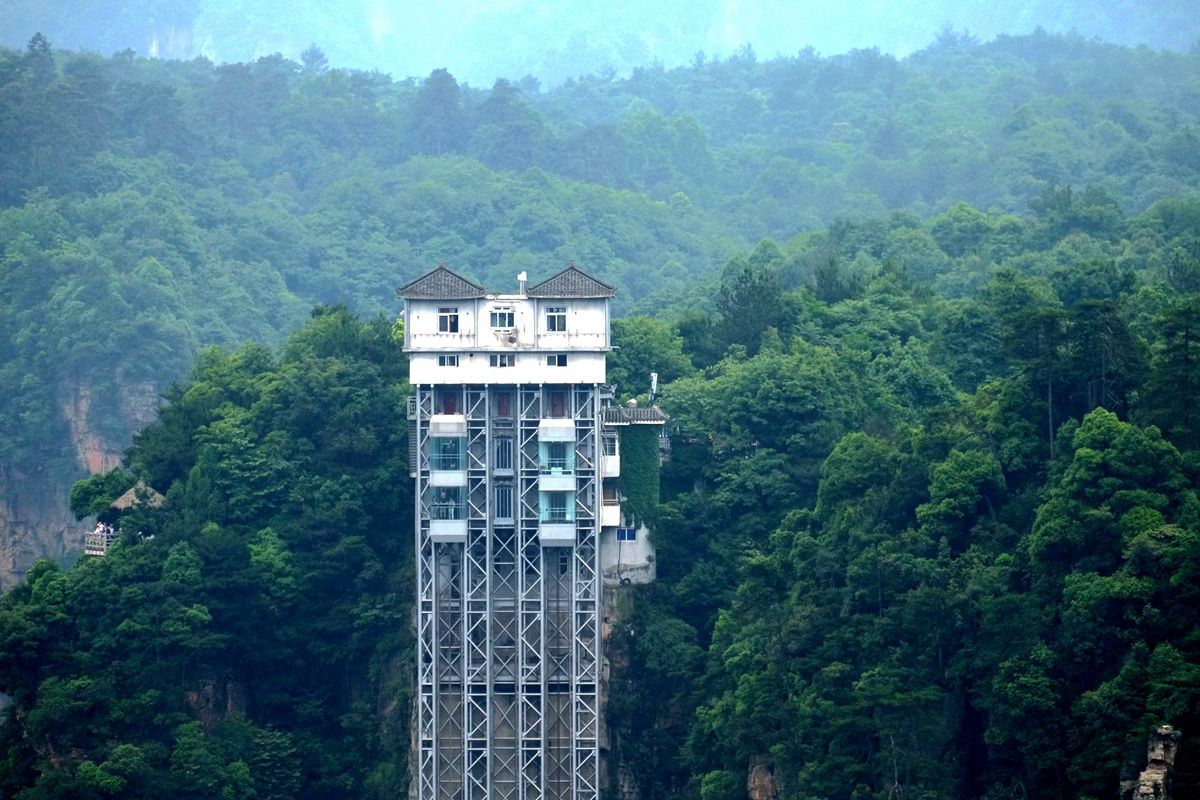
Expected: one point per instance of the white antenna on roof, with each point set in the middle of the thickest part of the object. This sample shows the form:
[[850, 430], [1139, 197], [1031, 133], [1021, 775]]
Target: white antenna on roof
[[522, 276]]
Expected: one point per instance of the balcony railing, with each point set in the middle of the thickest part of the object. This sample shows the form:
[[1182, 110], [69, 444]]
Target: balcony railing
[[447, 509], [557, 515]]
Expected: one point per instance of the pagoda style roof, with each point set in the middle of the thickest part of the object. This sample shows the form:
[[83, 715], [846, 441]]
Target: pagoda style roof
[[634, 415], [441, 284], [571, 282], [134, 497]]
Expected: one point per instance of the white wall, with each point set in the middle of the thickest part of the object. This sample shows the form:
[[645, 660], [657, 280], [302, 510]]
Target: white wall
[[531, 367], [587, 324], [584, 342], [632, 561]]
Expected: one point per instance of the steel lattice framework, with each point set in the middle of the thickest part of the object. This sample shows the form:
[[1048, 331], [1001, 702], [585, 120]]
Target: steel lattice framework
[[508, 628]]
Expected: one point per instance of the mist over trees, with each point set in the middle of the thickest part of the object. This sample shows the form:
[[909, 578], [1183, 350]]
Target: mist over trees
[[482, 40], [925, 328]]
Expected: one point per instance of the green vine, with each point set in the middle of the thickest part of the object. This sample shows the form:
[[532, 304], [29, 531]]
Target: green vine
[[639, 472]]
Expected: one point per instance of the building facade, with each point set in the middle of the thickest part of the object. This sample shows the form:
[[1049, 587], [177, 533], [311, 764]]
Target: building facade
[[515, 476]]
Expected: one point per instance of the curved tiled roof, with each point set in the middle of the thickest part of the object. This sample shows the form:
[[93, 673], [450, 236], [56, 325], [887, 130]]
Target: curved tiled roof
[[571, 282], [441, 284]]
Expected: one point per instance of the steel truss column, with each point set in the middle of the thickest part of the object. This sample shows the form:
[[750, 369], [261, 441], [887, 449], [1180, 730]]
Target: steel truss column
[[508, 630], [426, 640], [586, 602], [449, 669], [530, 689], [477, 614]]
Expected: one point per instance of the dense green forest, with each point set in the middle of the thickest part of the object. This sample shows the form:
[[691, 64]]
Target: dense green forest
[[926, 329]]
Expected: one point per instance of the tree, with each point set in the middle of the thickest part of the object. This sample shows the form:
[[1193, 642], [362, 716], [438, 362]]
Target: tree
[[437, 124], [750, 299], [644, 345], [1175, 375], [93, 496], [314, 60], [508, 133], [39, 61]]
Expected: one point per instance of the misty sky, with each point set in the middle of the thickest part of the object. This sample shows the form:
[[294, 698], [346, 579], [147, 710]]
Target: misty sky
[[479, 40]]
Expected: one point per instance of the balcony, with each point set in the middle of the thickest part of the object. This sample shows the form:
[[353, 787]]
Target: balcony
[[556, 467], [449, 425], [556, 507], [441, 478], [610, 454], [556, 534], [447, 461], [447, 516], [550, 482], [558, 429], [448, 531], [610, 514]]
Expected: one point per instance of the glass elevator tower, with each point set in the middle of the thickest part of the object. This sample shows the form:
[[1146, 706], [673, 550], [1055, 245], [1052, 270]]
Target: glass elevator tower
[[508, 450]]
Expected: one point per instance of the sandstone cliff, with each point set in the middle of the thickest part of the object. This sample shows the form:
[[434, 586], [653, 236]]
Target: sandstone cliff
[[35, 521]]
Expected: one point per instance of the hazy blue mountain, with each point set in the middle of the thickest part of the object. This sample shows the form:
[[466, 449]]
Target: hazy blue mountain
[[478, 40]]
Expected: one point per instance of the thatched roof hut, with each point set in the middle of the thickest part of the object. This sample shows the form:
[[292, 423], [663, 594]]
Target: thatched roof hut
[[134, 497]]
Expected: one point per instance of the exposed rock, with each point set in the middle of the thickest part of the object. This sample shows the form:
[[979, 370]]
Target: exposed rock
[[760, 781], [35, 521], [139, 402], [617, 607], [92, 452], [1155, 781], [216, 701]]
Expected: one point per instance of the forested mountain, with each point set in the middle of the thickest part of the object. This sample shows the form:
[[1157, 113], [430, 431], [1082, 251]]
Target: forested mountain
[[926, 329]]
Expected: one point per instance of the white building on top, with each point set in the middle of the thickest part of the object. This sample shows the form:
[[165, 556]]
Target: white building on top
[[555, 332]]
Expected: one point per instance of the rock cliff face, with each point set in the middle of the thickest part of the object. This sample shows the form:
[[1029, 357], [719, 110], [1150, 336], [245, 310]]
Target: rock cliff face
[[760, 781], [92, 452], [1155, 781], [35, 521]]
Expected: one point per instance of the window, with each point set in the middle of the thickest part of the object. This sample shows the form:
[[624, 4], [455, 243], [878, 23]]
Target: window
[[556, 507], [556, 360], [556, 319], [502, 359], [447, 503], [626, 534], [503, 404], [447, 361], [503, 506], [447, 453], [610, 445], [448, 320], [555, 458], [504, 455], [502, 318]]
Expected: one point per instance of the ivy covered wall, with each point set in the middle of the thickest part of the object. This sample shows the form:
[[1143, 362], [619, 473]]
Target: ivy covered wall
[[639, 472]]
